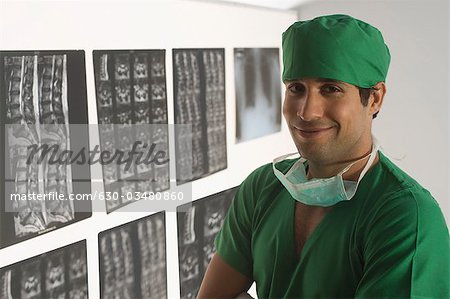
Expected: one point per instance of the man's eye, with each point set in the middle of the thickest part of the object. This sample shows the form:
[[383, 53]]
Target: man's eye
[[296, 88], [330, 89]]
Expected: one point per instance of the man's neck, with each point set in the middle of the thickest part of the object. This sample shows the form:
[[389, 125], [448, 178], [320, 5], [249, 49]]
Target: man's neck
[[330, 170]]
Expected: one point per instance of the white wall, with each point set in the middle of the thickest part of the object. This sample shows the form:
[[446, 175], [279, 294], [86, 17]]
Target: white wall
[[40, 25], [413, 125]]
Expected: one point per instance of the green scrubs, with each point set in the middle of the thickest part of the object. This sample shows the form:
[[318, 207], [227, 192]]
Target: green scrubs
[[389, 241]]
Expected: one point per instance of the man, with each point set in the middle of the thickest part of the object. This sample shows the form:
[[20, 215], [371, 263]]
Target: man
[[342, 221]]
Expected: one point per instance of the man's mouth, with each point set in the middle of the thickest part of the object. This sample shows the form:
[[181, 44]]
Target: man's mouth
[[311, 133]]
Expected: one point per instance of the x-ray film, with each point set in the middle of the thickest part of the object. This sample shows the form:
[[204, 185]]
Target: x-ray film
[[131, 92], [61, 273], [199, 101], [133, 259], [42, 94], [258, 92], [198, 224]]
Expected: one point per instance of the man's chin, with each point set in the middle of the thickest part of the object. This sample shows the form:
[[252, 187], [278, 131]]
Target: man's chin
[[311, 151]]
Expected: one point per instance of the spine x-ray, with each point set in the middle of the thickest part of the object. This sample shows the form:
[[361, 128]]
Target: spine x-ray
[[199, 101], [198, 224], [133, 259], [61, 273], [42, 93], [258, 92], [131, 93]]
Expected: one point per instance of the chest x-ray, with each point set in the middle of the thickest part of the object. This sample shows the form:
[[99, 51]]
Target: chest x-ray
[[258, 92]]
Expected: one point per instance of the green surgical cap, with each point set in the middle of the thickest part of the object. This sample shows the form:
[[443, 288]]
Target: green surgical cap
[[336, 47]]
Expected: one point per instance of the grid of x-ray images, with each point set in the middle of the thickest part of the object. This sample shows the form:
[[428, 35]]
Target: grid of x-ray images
[[61, 273], [198, 224], [38, 91], [258, 92], [199, 101], [131, 93], [133, 259]]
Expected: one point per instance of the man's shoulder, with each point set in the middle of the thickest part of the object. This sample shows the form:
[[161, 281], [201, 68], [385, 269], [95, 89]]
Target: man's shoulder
[[397, 193], [394, 180]]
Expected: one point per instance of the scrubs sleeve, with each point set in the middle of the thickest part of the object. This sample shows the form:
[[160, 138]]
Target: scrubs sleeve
[[233, 242], [406, 249]]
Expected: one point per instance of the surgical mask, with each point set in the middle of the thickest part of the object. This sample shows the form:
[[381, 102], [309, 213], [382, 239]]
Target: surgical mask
[[323, 192]]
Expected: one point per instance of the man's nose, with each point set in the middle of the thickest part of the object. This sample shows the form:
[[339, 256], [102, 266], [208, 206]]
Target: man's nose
[[310, 107]]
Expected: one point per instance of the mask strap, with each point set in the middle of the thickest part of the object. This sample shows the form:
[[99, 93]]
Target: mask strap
[[369, 163], [283, 157], [371, 156]]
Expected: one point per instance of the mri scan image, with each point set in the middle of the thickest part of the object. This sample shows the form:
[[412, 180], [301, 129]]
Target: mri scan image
[[43, 95], [61, 273], [131, 94], [133, 259], [198, 224], [199, 101]]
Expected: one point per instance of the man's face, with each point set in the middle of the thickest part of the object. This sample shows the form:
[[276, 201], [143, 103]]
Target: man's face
[[327, 120]]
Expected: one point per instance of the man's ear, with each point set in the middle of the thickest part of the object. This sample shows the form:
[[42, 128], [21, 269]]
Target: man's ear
[[376, 98]]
